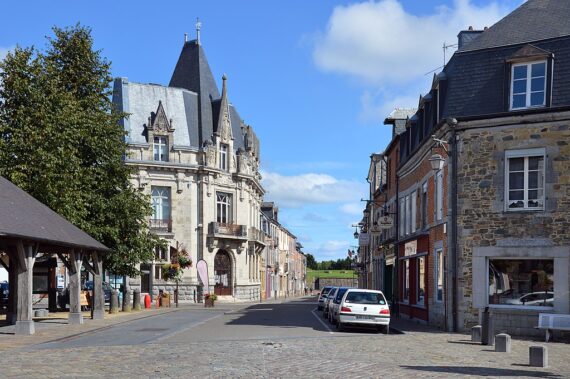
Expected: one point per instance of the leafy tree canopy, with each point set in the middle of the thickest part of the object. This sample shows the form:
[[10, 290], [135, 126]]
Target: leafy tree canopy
[[61, 141]]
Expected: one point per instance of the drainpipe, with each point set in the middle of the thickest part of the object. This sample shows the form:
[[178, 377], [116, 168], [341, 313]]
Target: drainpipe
[[452, 123]]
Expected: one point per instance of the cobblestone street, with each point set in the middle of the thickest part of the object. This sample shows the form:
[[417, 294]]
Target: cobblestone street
[[271, 340]]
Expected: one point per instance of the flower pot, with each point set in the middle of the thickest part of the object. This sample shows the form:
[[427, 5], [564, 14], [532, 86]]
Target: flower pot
[[209, 303]]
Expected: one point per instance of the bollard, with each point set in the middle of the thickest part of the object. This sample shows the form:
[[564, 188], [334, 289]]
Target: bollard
[[137, 300], [476, 333], [194, 295], [127, 305], [488, 335], [114, 306], [503, 343], [147, 301], [538, 356]]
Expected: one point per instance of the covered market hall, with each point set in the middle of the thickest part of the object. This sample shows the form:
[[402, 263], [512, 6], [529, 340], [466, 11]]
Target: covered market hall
[[30, 230]]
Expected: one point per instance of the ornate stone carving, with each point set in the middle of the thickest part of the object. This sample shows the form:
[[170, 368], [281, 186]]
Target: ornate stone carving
[[158, 122], [211, 154]]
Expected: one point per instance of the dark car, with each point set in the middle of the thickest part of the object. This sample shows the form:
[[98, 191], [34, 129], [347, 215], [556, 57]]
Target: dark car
[[63, 298], [4, 291]]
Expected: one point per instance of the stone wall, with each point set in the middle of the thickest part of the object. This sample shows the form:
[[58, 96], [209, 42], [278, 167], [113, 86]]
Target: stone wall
[[482, 219]]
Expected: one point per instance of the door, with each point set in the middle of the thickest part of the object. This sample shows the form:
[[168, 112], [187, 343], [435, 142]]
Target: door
[[223, 274]]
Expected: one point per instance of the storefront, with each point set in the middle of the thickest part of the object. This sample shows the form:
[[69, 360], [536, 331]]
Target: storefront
[[413, 262]]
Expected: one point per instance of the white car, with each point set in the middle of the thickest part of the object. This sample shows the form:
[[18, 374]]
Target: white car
[[361, 307], [544, 298], [322, 297], [328, 301], [335, 303]]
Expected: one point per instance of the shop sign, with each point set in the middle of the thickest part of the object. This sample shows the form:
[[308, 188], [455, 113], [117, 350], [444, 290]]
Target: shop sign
[[386, 222], [411, 248], [363, 239]]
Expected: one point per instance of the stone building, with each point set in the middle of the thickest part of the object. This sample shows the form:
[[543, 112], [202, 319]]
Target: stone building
[[199, 164], [497, 119]]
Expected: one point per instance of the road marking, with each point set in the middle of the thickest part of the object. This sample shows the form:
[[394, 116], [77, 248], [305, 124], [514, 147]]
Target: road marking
[[321, 321]]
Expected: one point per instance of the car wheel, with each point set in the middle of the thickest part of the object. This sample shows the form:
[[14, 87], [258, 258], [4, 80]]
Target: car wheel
[[386, 329], [340, 326]]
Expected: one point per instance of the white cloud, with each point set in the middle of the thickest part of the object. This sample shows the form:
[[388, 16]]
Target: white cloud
[[4, 51], [333, 249], [377, 105], [379, 42], [354, 209], [295, 191], [314, 217]]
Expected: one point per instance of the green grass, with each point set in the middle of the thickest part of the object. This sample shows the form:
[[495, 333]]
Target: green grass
[[312, 274]]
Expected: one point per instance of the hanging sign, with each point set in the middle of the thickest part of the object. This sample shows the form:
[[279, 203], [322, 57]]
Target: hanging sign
[[363, 239], [386, 222]]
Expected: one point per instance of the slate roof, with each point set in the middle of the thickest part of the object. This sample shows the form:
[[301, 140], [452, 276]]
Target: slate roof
[[191, 100], [533, 21], [25, 217]]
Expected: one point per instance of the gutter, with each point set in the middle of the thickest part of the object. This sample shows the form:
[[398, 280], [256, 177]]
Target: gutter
[[454, 248]]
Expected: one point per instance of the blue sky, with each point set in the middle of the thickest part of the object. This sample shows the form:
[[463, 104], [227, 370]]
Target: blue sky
[[314, 78]]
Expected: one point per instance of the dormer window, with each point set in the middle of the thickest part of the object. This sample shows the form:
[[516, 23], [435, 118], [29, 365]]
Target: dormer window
[[528, 85], [160, 149], [223, 157]]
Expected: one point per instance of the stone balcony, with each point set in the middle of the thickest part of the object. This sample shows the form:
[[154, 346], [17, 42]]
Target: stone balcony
[[160, 225], [232, 231]]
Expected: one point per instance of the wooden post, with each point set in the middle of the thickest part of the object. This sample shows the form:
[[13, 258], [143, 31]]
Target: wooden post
[[98, 295], [13, 290], [76, 260], [26, 255]]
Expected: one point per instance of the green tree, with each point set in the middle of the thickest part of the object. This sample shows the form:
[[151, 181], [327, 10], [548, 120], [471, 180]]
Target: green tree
[[61, 141], [311, 262]]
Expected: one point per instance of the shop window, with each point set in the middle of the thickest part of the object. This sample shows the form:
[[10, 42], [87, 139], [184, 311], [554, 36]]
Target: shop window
[[439, 275], [406, 281], [521, 282], [421, 281]]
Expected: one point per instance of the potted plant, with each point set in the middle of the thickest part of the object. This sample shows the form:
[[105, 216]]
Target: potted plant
[[209, 300]]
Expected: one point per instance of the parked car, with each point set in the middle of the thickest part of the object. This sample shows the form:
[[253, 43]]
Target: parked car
[[544, 298], [327, 301], [63, 298], [4, 292], [322, 297], [361, 307], [334, 304]]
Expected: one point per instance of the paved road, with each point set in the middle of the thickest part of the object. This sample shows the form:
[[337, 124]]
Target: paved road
[[269, 340]]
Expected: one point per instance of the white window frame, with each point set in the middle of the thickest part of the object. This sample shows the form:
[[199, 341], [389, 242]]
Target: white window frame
[[438, 204], [424, 201], [408, 214], [223, 157], [160, 149], [524, 153], [224, 205], [528, 79], [439, 270], [419, 262], [161, 203], [402, 217], [414, 204]]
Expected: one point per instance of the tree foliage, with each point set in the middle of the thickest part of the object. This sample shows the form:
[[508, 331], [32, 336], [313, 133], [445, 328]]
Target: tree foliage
[[62, 142], [311, 262], [339, 264]]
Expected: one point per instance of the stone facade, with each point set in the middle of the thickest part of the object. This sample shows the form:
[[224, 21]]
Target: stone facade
[[487, 229]]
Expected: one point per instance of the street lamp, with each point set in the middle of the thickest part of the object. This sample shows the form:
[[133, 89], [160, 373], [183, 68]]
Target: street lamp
[[437, 160], [355, 233]]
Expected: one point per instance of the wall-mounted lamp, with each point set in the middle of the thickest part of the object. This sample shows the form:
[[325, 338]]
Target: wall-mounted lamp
[[437, 160]]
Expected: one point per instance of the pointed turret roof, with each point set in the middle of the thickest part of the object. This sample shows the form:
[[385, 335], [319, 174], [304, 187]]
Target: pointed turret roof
[[535, 20], [224, 122], [193, 73]]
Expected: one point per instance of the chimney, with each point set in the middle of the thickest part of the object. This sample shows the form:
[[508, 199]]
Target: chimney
[[465, 37]]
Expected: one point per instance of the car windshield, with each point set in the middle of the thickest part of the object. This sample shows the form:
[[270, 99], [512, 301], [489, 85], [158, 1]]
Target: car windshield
[[325, 291], [365, 298]]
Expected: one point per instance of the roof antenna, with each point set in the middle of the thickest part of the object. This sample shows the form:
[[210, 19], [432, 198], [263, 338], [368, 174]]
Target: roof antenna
[[198, 27]]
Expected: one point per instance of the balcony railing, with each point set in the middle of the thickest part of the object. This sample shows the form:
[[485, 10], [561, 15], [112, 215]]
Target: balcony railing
[[232, 230], [160, 225], [256, 235]]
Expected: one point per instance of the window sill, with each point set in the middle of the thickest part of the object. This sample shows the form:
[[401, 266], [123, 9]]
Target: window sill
[[529, 210], [520, 307]]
